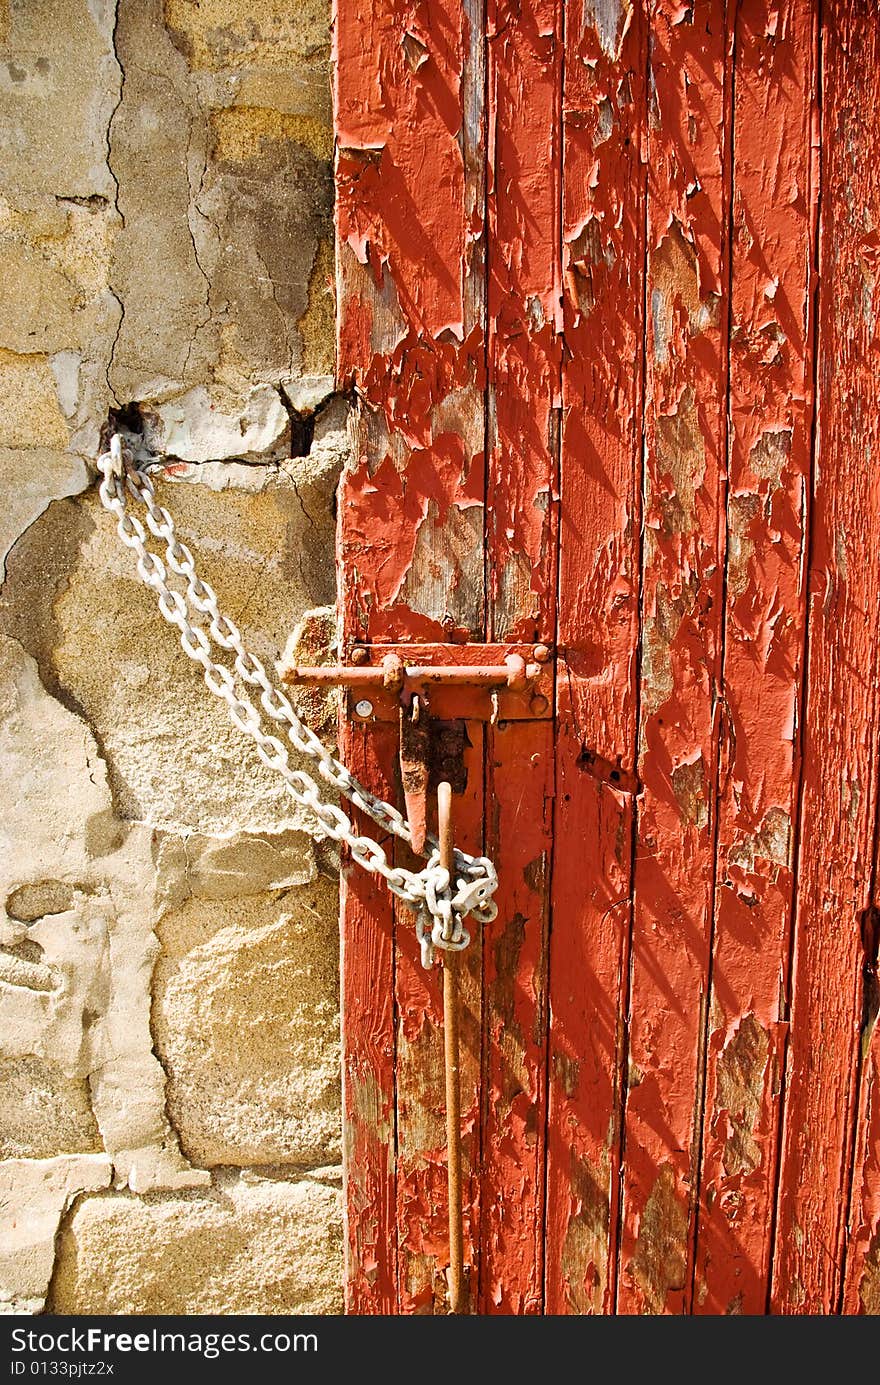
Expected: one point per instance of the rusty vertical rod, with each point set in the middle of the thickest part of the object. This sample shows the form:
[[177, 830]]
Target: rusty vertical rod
[[453, 1087]]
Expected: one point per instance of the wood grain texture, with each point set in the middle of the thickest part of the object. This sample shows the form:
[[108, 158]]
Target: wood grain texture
[[839, 806], [519, 796], [688, 151], [770, 401], [524, 68], [862, 1247], [409, 179], [410, 169], [862, 1264], [603, 211], [368, 1059], [422, 1225]]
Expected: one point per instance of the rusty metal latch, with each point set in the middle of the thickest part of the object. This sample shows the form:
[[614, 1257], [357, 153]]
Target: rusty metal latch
[[499, 683], [514, 683]]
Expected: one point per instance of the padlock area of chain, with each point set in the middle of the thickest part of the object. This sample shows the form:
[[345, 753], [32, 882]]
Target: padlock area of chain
[[442, 901]]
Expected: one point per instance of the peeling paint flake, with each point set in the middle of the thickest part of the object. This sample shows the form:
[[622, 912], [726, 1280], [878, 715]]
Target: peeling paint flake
[[683, 557]]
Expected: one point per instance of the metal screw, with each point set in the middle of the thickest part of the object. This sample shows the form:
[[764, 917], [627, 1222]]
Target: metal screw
[[541, 653], [363, 709], [359, 655], [539, 704]]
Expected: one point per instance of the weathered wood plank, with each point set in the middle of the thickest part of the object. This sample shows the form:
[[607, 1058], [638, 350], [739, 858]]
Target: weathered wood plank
[[685, 463], [603, 211], [839, 802], [524, 69], [422, 1213], [519, 799], [524, 315], [862, 1264], [409, 180], [862, 1276], [368, 1051], [410, 170], [770, 400]]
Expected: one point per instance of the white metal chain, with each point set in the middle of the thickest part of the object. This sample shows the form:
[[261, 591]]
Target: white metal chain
[[442, 903]]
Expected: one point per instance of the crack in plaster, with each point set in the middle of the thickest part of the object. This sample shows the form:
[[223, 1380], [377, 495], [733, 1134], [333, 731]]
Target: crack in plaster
[[108, 139]]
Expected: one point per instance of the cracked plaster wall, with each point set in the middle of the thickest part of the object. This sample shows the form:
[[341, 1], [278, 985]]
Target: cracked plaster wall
[[169, 1104]]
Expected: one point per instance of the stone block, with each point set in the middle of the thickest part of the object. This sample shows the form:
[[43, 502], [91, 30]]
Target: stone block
[[245, 1020], [34, 1194], [264, 1246], [43, 1112]]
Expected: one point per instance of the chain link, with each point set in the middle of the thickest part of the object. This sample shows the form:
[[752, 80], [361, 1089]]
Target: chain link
[[442, 902]]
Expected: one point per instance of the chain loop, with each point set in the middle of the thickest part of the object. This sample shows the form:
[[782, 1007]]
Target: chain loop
[[442, 903]]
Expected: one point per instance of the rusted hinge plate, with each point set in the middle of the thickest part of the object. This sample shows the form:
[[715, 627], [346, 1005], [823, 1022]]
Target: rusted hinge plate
[[453, 702]]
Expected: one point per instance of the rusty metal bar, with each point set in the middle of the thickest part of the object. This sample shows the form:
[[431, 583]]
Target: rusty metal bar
[[453, 1088], [334, 675], [513, 673], [414, 771]]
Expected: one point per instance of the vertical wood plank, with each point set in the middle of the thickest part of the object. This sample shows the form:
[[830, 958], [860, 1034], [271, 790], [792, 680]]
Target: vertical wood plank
[[604, 188], [368, 1116], [519, 798], [771, 387], [839, 802], [524, 69], [685, 464], [524, 315], [409, 180], [862, 1250], [422, 1211], [410, 169], [862, 1265]]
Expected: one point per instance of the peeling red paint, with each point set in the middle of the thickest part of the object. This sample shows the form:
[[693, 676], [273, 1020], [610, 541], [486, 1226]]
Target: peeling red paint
[[688, 152], [410, 140], [839, 808], [577, 259], [862, 1282], [769, 478], [524, 314], [524, 63], [368, 1062], [520, 789], [384, 515], [604, 186]]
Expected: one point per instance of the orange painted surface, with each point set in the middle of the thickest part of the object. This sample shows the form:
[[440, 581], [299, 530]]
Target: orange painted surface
[[604, 188], [609, 305], [771, 402], [826, 1233]]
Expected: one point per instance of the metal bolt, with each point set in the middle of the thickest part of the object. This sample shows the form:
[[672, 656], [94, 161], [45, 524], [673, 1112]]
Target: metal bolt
[[363, 709], [393, 672], [539, 704], [541, 653], [359, 655]]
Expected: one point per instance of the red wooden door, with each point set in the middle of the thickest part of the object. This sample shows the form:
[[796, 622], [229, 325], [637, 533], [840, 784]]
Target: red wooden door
[[608, 300]]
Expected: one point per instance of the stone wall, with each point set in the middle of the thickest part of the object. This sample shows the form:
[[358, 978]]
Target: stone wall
[[169, 1104]]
